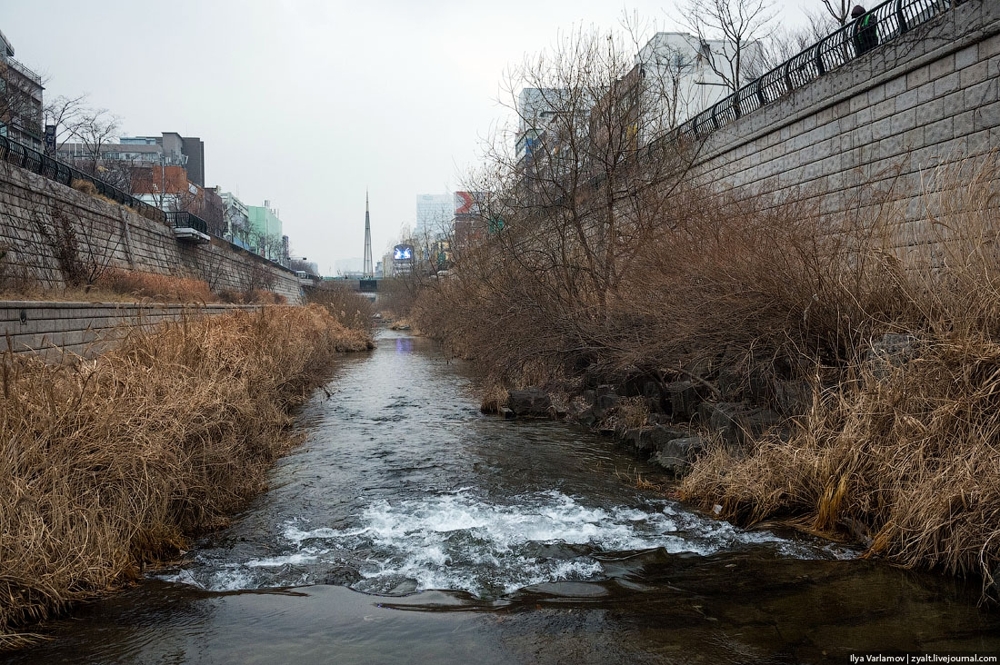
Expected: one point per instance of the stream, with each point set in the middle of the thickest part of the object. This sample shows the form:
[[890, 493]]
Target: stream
[[409, 528]]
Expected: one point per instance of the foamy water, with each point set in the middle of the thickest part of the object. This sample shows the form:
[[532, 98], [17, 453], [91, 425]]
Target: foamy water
[[458, 541]]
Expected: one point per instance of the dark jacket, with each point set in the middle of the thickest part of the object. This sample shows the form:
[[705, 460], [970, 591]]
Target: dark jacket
[[865, 33]]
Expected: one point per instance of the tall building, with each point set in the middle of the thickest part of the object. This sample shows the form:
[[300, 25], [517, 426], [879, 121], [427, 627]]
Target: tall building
[[369, 269], [20, 99], [434, 214], [237, 216], [266, 232]]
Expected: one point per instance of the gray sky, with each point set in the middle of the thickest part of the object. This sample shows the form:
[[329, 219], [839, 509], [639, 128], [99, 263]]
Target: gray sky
[[308, 102]]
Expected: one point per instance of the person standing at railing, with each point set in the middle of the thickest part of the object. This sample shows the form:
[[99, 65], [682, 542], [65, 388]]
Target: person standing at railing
[[865, 29]]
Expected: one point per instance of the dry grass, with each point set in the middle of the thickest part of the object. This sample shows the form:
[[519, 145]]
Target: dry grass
[[903, 456], [152, 286], [113, 463], [346, 305]]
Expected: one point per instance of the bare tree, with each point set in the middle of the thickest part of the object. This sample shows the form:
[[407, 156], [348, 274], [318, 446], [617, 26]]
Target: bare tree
[[739, 27], [786, 43], [840, 10], [95, 128], [568, 195], [64, 113]]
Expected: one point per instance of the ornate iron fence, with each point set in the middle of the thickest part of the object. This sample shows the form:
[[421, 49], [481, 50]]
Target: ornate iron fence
[[885, 22]]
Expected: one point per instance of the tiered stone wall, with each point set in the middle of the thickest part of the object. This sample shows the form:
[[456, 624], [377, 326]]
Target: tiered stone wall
[[44, 226], [877, 131], [51, 329]]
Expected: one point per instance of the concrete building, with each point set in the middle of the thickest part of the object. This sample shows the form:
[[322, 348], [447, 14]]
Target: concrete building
[[266, 235], [20, 99], [237, 216], [169, 149], [682, 76], [434, 214]]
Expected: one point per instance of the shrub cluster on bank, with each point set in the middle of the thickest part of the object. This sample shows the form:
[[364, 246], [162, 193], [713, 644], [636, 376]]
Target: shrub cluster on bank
[[113, 463], [898, 452]]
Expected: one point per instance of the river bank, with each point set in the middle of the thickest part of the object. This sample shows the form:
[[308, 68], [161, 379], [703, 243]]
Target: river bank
[[113, 464], [789, 372]]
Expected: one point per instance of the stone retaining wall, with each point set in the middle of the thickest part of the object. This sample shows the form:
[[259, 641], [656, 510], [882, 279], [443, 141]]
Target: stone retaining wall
[[51, 329], [876, 131], [48, 230]]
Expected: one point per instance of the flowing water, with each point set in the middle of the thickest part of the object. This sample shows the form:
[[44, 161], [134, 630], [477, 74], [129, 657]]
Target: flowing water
[[410, 528]]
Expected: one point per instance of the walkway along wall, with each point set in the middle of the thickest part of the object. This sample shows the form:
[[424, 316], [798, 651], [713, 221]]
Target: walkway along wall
[[49, 231], [876, 130]]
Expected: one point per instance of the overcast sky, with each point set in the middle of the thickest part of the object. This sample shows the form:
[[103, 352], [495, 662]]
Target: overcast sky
[[308, 102]]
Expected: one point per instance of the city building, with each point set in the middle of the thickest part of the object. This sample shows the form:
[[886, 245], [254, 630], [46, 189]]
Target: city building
[[682, 76], [266, 235], [20, 99], [237, 216], [434, 214], [143, 152]]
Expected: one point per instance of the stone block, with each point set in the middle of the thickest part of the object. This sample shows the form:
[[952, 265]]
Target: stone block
[[965, 123], [685, 397], [940, 131], [904, 121], [925, 93], [895, 87], [989, 47], [947, 84], [967, 57], [917, 78], [883, 109], [930, 112], [882, 128], [678, 455], [941, 67]]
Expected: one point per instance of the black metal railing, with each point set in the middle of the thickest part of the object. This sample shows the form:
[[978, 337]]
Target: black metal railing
[[187, 220], [889, 20], [20, 155]]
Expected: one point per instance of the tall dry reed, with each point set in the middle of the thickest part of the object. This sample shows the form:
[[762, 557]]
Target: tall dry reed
[[902, 453], [113, 463]]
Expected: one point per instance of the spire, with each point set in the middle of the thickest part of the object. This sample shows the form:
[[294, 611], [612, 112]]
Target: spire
[[369, 270]]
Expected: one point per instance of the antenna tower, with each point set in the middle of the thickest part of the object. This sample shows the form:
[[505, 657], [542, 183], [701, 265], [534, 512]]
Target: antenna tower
[[369, 269]]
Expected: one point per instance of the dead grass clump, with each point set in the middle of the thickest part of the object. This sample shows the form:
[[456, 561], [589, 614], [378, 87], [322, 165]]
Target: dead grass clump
[[113, 463], [350, 308], [629, 413], [494, 398], [253, 297], [152, 286], [905, 463]]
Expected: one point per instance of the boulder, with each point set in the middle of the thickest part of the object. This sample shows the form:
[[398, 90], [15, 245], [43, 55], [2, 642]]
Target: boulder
[[646, 441], [529, 403], [737, 422], [685, 396], [677, 455]]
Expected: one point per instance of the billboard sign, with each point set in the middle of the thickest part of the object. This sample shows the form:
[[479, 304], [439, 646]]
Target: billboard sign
[[402, 253]]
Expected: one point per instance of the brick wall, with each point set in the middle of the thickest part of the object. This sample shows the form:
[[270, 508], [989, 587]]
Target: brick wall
[[42, 221], [878, 130]]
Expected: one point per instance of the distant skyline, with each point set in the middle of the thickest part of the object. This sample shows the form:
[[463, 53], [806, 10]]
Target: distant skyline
[[306, 103]]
